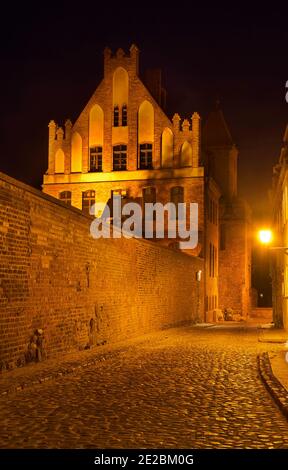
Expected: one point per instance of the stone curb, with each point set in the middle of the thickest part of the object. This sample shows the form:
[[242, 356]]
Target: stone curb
[[274, 387], [28, 382]]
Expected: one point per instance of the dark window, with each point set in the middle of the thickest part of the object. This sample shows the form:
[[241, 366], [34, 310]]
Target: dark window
[[222, 237], [145, 160], [149, 194], [212, 260], [88, 199], [116, 116], [210, 210], [216, 213], [66, 197], [95, 159], [120, 157], [215, 263], [124, 115], [177, 196]]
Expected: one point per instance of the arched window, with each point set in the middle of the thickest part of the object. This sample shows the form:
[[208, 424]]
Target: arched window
[[186, 154], [66, 196], [120, 87], [96, 129], [59, 161], [88, 200], [145, 135], [124, 115], [120, 96], [116, 116], [96, 126], [76, 153], [146, 123], [167, 148]]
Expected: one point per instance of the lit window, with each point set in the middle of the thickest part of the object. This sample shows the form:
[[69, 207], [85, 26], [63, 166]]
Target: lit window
[[119, 157], [88, 200], [116, 116], [66, 196], [145, 156], [95, 159], [124, 115]]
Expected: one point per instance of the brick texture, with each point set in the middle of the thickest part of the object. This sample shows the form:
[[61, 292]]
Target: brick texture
[[82, 292]]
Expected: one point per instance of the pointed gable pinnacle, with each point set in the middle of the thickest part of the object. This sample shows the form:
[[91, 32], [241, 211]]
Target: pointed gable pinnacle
[[185, 125], [176, 121], [60, 134], [107, 53], [120, 53]]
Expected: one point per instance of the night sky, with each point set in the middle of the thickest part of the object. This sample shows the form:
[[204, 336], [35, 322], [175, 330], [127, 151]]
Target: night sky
[[52, 61]]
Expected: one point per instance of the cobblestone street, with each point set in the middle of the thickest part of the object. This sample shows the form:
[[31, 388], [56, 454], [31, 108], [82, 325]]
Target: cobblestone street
[[182, 388]]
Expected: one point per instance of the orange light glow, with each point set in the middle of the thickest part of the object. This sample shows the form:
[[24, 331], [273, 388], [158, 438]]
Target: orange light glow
[[265, 236]]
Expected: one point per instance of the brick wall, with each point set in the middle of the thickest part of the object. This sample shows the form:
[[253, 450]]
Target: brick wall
[[81, 292], [235, 259]]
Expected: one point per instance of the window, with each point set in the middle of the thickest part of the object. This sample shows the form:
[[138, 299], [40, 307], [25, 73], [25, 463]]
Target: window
[[66, 196], [116, 116], [145, 157], [149, 194], [124, 115], [119, 157], [59, 161], [222, 237], [122, 193], [88, 199], [95, 159], [215, 263], [215, 213], [212, 211], [212, 260], [177, 196]]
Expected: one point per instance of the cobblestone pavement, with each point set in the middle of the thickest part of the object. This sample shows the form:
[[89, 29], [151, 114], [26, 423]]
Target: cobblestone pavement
[[185, 388]]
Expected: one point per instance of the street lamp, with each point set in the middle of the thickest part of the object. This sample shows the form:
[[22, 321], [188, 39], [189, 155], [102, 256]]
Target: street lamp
[[265, 237], [278, 273]]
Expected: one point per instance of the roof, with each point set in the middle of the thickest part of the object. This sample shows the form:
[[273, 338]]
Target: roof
[[215, 131]]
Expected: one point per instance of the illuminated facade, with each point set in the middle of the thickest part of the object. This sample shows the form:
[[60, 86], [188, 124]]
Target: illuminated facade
[[279, 197], [124, 143]]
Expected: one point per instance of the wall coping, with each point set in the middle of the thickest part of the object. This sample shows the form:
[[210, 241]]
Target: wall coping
[[50, 199]]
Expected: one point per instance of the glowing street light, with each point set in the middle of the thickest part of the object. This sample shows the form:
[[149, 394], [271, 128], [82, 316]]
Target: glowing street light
[[265, 236]]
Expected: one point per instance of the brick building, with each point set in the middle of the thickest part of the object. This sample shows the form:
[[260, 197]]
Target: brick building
[[234, 274], [123, 142], [279, 258]]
